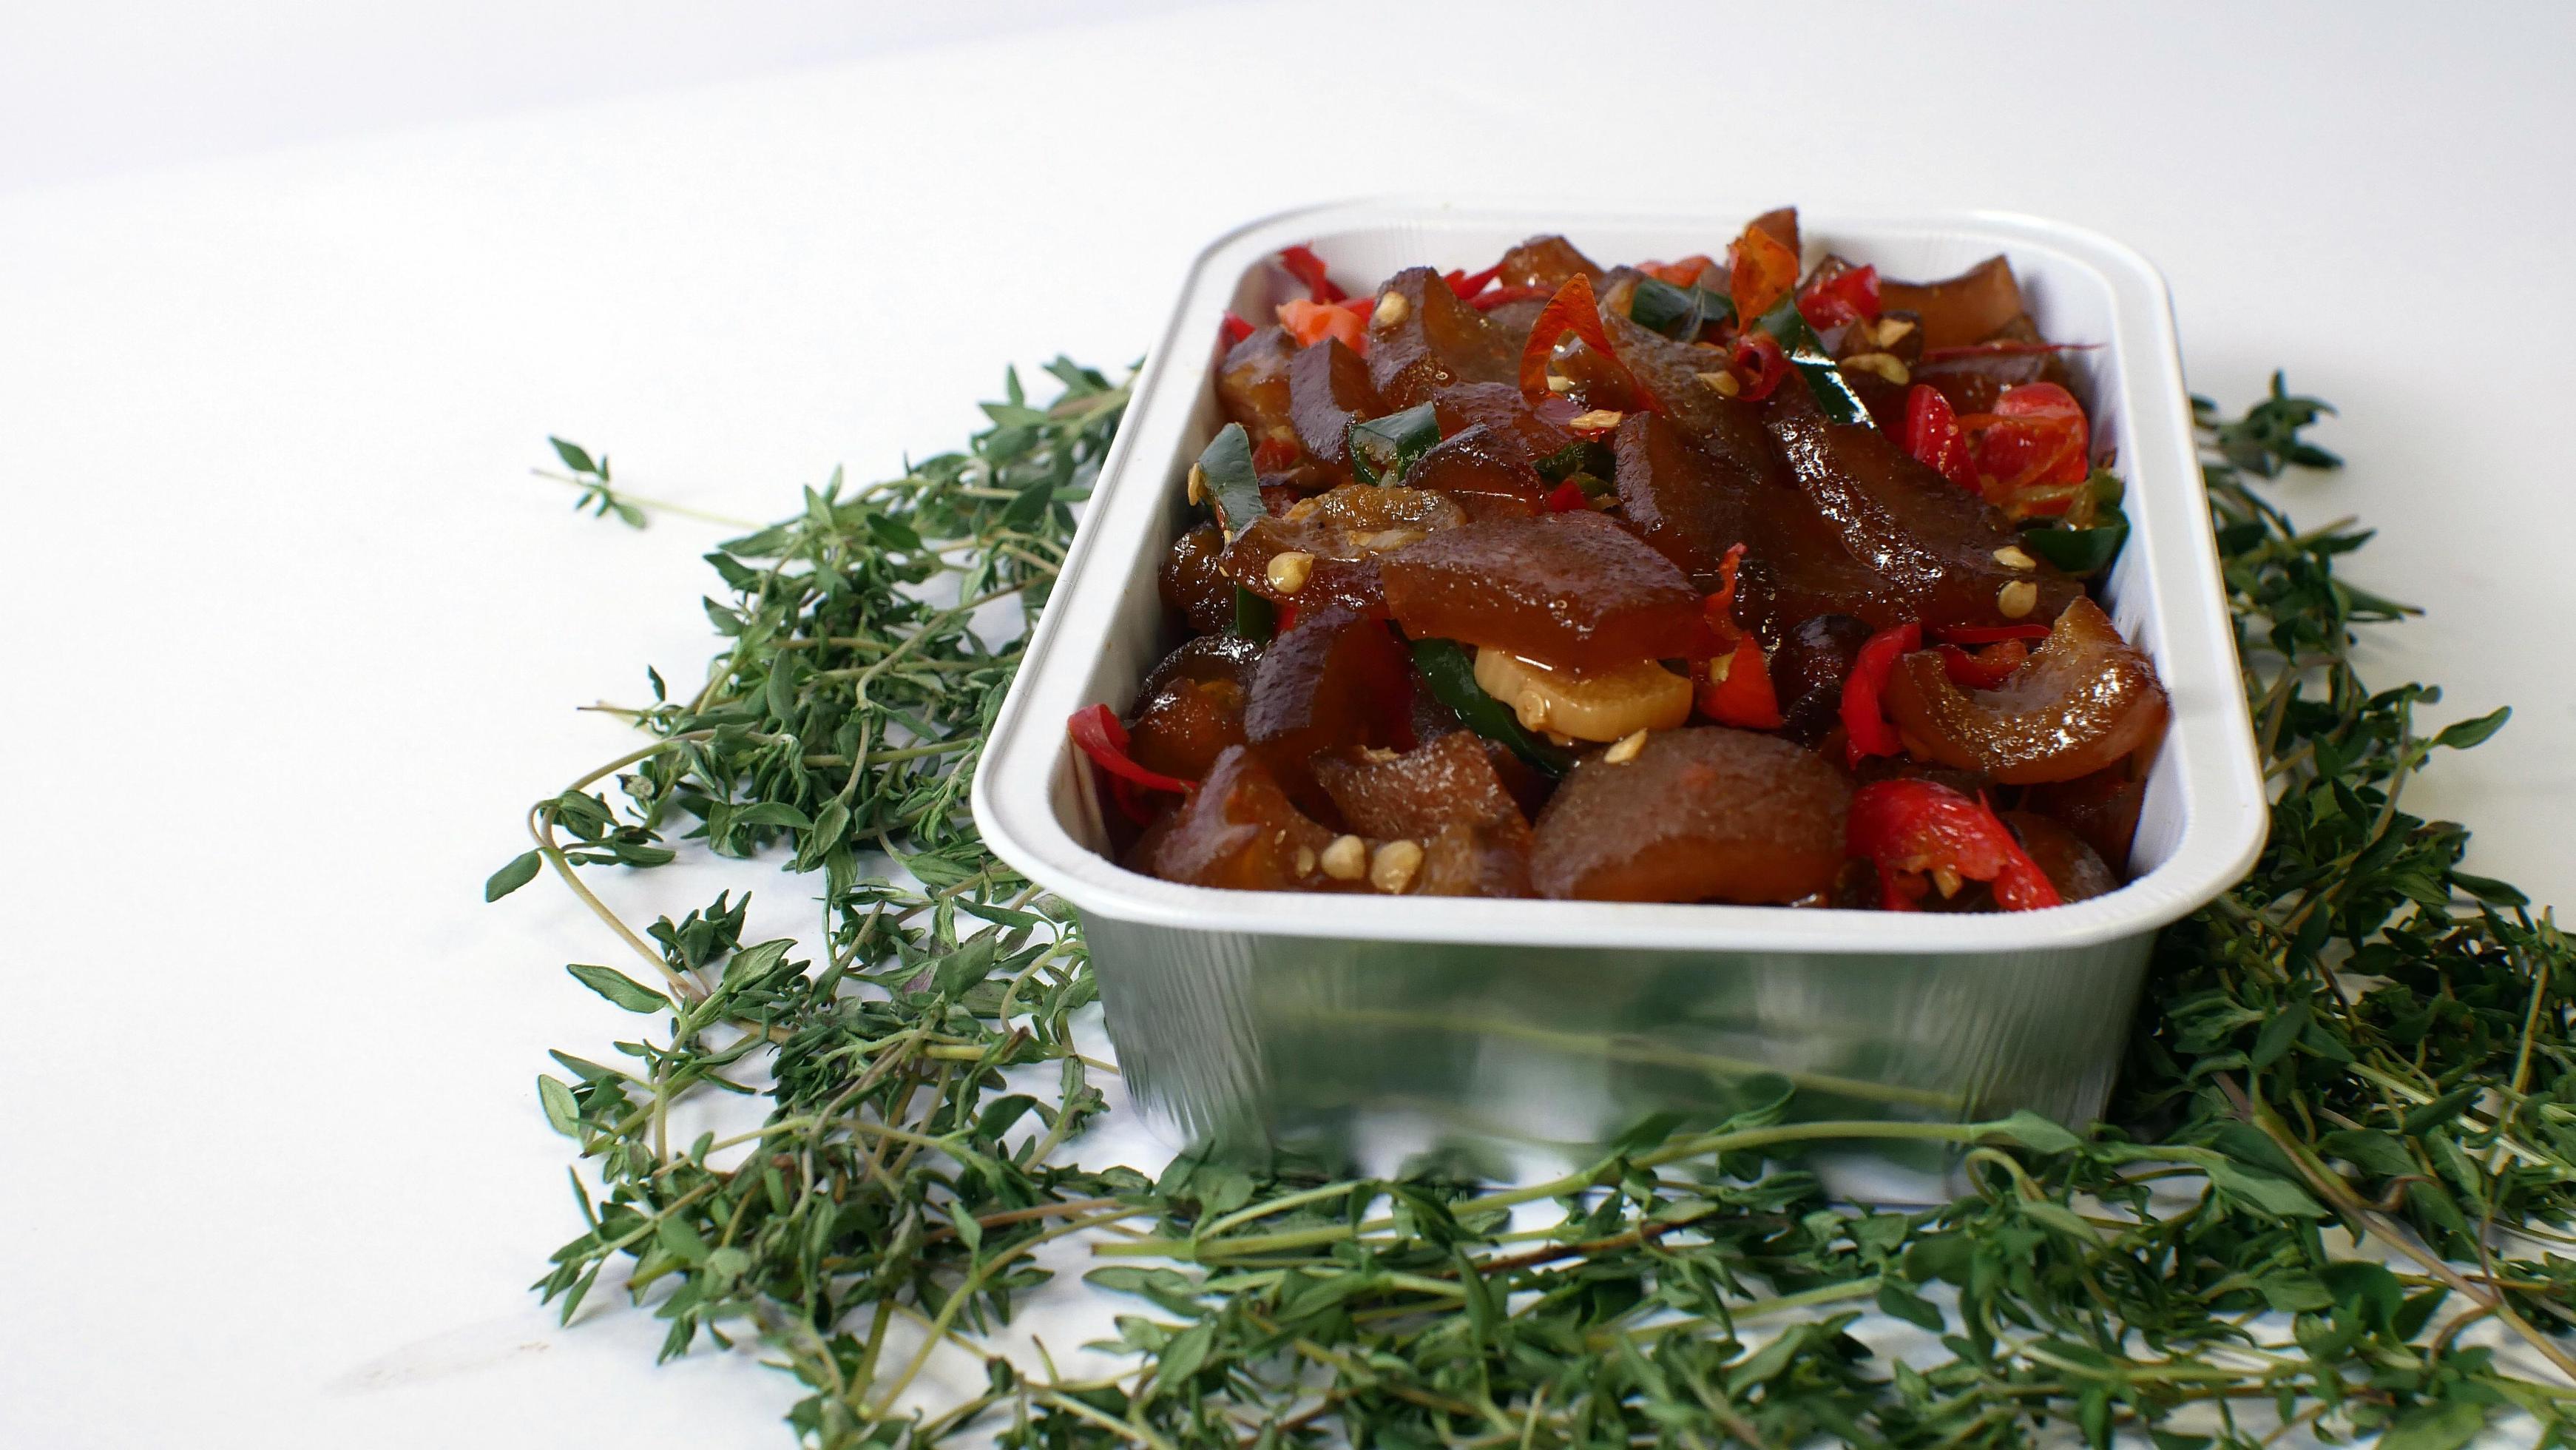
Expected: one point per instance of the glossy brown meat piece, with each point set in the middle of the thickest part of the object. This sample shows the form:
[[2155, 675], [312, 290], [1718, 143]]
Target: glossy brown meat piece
[[2071, 866], [1928, 544], [1451, 781], [1971, 307], [1252, 384], [1192, 584], [1335, 680], [2102, 808], [1484, 471], [1239, 830], [1545, 262], [1687, 507], [1808, 670], [1500, 407], [1208, 658], [1728, 429], [2086, 701], [1345, 529], [1183, 726], [1328, 391], [1574, 591], [1781, 223], [1487, 860], [1703, 814], [1438, 341]]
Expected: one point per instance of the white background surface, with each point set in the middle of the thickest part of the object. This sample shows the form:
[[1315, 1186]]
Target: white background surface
[[291, 636]]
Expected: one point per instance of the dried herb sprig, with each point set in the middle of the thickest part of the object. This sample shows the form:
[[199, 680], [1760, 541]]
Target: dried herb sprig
[[2352, 1089]]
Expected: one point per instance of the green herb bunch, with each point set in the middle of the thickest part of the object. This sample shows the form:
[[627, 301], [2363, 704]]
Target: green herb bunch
[[2341, 1168]]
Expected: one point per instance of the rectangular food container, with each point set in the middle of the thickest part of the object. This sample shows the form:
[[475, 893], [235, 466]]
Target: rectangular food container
[[1355, 1030]]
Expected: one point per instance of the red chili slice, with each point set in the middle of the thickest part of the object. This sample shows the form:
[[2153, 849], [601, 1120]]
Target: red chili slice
[[1235, 329], [1847, 296], [1913, 829], [1987, 669], [1095, 728], [1567, 497], [1759, 364], [1468, 284], [1864, 721], [1737, 689], [1932, 435], [1762, 271], [1492, 298], [1572, 310], [2036, 435], [1306, 267]]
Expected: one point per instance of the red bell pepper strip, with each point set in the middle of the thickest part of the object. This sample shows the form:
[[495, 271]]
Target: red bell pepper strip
[[1761, 272], [1988, 633], [1737, 690], [1312, 322], [1306, 267], [2035, 435], [1844, 297], [1567, 497], [1759, 364], [1488, 300], [1987, 669], [1864, 723], [1684, 273], [1465, 284], [1909, 829], [1932, 435], [1235, 329]]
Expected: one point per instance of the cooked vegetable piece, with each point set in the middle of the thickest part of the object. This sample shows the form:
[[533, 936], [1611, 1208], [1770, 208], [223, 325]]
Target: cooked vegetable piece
[[1484, 471], [2074, 868], [1735, 688], [1688, 508], [1971, 307], [1237, 830], [1181, 728], [1451, 675], [2085, 701], [1191, 583], [1224, 477], [1572, 590], [1501, 407], [1599, 379], [1545, 263], [1702, 814], [1922, 836], [1430, 340], [1598, 707], [1781, 223], [1937, 551], [1808, 670], [1385, 447], [1450, 781], [1328, 391], [1863, 712], [1334, 680]]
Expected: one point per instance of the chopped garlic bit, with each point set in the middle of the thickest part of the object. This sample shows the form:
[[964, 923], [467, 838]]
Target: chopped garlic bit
[[1599, 419], [1885, 364], [1890, 330], [1722, 384], [1391, 869], [1391, 309], [1305, 860], [1559, 383], [2011, 557], [1947, 880], [1198, 485], [1289, 571], [2018, 598], [1626, 749], [1346, 859]]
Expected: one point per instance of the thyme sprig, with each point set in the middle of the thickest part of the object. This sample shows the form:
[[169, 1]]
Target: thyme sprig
[[2333, 1198]]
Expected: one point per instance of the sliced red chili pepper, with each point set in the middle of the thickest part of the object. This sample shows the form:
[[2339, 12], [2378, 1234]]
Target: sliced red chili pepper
[[1567, 497], [1988, 633], [1911, 829], [1570, 310], [1737, 689], [1306, 267], [1468, 284], [1759, 364], [1762, 269], [1932, 435], [1843, 297], [1235, 329], [1361, 307], [1986, 669], [1276, 455], [1864, 722], [1683, 273], [1492, 298], [1720, 608], [1312, 322], [1096, 730], [2036, 435]]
